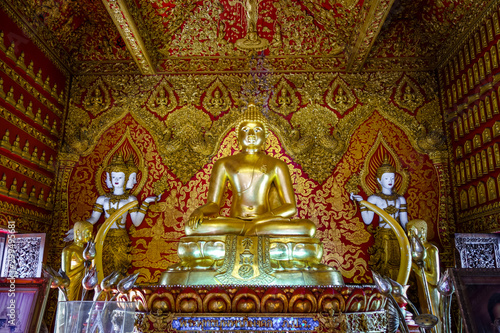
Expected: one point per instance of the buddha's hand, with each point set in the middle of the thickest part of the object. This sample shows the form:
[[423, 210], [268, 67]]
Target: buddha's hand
[[195, 219], [356, 197]]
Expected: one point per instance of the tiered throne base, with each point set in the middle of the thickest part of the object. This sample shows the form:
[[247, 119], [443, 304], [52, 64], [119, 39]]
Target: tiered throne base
[[258, 309], [257, 260], [255, 284]]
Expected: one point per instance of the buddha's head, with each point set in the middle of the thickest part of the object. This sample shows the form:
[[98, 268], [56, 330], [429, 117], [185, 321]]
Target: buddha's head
[[417, 227], [83, 231], [252, 129], [386, 174]]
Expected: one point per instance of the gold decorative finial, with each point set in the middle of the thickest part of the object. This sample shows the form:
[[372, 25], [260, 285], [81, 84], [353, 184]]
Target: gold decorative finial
[[385, 167]]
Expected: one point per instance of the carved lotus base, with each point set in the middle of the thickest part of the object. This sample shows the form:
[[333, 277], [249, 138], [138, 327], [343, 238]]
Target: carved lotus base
[[258, 308], [250, 260]]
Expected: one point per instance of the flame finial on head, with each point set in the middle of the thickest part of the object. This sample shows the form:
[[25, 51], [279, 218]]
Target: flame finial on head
[[385, 167]]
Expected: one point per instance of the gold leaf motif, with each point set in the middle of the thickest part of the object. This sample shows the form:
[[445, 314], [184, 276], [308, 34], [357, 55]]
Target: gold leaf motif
[[340, 97], [283, 99], [162, 100], [190, 141], [97, 98], [311, 143], [217, 99], [408, 95]]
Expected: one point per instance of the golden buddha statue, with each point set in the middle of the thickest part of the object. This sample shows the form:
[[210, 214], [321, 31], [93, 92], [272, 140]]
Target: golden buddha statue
[[72, 261], [41, 199], [430, 267], [217, 101], [16, 146], [29, 110], [34, 155], [262, 210], [32, 197], [26, 150], [254, 177], [6, 140], [20, 104], [161, 100], [385, 256], [341, 97], [3, 185], [23, 195], [284, 99], [10, 96]]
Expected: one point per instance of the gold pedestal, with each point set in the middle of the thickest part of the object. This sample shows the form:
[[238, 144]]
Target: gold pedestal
[[250, 260]]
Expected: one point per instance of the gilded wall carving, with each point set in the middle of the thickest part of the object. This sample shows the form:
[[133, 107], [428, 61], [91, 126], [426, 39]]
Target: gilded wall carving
[[471, 114], [324, 147], [188, 135]]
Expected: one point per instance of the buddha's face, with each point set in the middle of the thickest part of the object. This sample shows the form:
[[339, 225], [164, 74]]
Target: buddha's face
[[251, 135], [82, 234], [419, 231], [118, 179], [387, 180]]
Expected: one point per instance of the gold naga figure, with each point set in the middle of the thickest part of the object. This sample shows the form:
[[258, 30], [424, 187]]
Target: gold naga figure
[[259, 242]]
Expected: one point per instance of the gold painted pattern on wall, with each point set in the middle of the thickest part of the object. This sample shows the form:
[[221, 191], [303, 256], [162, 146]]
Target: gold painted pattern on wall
[[327, 204], [187, 145]]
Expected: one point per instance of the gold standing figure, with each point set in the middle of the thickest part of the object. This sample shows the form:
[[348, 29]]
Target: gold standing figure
[[72, 261], [431, 270]]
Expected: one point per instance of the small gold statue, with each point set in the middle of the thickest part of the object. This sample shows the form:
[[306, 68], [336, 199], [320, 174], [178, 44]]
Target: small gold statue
[[16, 146], [23, 195], [3, 185], [251, 41], [72, 261], [418, 228], [121, 178], [13, 189], [6, 140], [385, 256]]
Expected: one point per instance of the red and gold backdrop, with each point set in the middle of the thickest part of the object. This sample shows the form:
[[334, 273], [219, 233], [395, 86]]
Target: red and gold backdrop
[[327, 127], [469, 83], [33, 93]]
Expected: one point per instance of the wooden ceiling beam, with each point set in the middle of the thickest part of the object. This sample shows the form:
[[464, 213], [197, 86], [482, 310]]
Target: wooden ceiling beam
[[371, 20], [130, 34]]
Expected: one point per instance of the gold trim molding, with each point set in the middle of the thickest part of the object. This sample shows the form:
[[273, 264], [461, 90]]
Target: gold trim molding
[[16, 210], [24, 170], [29, 88], [125, 25], [35, 133]]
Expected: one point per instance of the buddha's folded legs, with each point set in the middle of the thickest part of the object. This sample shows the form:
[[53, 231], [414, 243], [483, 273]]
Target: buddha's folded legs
[[232, 226], [219, 226], [282, 227]]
